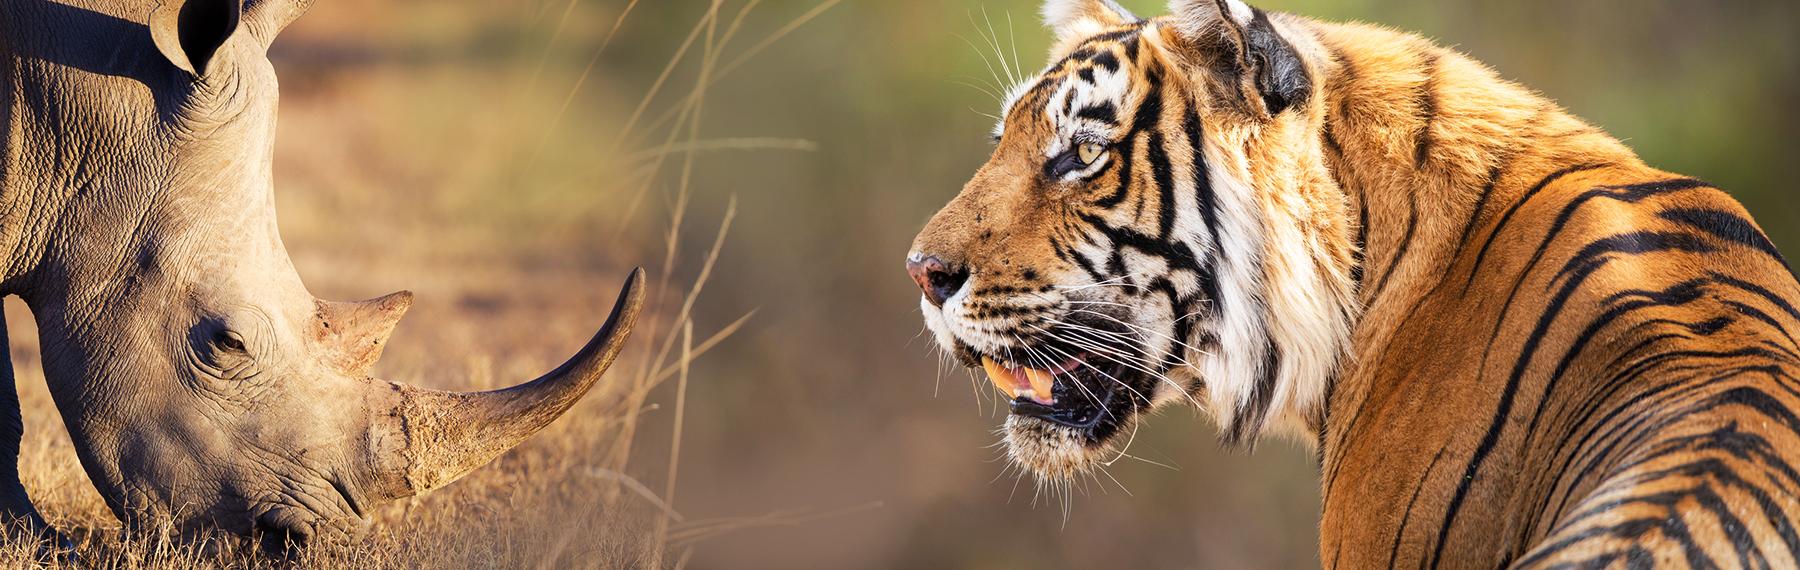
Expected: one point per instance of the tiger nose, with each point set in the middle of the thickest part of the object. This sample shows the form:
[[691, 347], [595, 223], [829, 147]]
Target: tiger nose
[[939, 280]]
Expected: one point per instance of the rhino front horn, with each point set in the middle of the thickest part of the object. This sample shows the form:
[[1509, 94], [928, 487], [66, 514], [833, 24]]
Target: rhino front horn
[[428, 438]]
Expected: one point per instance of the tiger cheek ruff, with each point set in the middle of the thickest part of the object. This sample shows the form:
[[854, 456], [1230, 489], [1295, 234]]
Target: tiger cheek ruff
[[1512, 341]]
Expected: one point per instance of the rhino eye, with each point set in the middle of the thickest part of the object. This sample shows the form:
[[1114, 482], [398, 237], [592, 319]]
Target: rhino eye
[[228, 340]]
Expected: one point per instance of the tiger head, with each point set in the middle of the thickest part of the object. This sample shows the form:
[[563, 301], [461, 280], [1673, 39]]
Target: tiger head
[[1156, 224]]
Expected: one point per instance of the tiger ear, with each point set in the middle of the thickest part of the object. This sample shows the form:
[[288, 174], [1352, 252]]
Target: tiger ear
[[1236, 37], [1082, 18]]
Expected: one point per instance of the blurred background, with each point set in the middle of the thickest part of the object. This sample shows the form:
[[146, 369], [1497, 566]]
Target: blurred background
[[509, 160]]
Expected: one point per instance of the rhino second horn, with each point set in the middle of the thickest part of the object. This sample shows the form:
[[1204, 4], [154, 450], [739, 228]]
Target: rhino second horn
[[443, 435], [353, 334]]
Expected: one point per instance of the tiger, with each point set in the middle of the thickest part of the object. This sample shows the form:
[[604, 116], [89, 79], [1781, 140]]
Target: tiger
[[1509, 341]]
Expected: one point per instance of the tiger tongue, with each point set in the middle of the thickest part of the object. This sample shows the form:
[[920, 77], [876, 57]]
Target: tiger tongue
[[1015, 382]]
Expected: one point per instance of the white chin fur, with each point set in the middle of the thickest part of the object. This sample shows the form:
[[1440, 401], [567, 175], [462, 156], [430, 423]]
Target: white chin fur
[[1050, 451]]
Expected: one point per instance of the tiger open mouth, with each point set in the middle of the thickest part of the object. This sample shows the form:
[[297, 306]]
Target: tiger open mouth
[[1084, 393]]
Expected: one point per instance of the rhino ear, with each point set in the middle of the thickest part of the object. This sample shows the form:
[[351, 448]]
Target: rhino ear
[[190, 32], [353, 334], [1232, 35]]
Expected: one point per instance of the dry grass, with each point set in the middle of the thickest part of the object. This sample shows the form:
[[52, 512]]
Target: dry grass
[[513, 227]]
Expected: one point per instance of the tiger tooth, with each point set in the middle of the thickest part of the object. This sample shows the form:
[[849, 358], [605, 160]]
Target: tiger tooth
[[1001, 377], [1041, 383]]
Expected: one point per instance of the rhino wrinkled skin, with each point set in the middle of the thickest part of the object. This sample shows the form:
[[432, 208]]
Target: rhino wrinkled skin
[[196, 375]]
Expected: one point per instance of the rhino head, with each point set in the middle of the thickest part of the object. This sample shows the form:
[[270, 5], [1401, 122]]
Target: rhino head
[[197, 376]]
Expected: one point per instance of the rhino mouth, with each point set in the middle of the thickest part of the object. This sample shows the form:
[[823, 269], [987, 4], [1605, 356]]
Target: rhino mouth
[[286, 522], [285, 532]]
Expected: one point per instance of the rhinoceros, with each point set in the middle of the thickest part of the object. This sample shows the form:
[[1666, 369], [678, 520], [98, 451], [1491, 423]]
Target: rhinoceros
[[198, 378]]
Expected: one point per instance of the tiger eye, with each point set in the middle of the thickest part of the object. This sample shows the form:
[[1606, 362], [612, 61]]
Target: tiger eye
[[1089, 152]]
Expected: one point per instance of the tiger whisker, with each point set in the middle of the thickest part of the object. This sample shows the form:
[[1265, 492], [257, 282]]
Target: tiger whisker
[[1013, 39], [1074, 327], [1101, 345], [1126, 362], [1135, 426], [1032, 355], [1141, 328], [1092, 396], [1124, 339], [1107, 345], [1068, 500], [994, 42], [1097, 369], [1101, 303], [983, 89], [1145, 362], [1114, 282], [982, 52], [1149, 462], [1017, 477]]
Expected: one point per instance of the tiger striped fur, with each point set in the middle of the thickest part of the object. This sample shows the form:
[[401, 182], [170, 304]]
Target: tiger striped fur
[[1513, 342]]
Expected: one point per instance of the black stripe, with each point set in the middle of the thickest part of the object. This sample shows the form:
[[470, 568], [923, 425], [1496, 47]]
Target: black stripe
[[1597, 252], [1514, 209], [1349, 430], [1143, 121], [1104, 112], [1208, 278], [1493, 181], [1412, 226], [1673, 527], [1487, 193], [1736, 443], [1749, 447], [1394, 549], [1115, 262], [1760, 316], [1249, 419], [1428, 109], [1605, 430], [1592, 252], [1204, 196], [1726, 226], [1587, 267], [1675, 296], [1185, 321], [1106, 60], [1119, 36], [1362, 242], [1630, 194], [1087, 266], [1164, 176], [1758, 290], [1170, 252], [1126, 161]]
